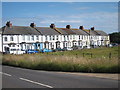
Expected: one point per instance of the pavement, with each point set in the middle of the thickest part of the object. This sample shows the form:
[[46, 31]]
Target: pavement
[[14, 77]]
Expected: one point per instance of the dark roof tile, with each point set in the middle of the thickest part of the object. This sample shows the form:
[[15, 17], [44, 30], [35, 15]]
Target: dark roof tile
[[20, 30], [47, 31], [68, 31]]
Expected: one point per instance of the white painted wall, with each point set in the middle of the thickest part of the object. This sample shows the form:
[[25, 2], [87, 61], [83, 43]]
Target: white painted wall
[[17, 39], [0, 42]]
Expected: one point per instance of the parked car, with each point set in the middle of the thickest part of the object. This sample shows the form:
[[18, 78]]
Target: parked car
[[31, 51], [88, 47], [69, 48], [114, 44], [46, 50], [110, 45], [77, 47]]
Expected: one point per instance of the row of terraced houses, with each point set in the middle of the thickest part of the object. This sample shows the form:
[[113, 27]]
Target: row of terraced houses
[[33, 37]]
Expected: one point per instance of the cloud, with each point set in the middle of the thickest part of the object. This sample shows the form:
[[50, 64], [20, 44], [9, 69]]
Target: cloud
[[106, 21]]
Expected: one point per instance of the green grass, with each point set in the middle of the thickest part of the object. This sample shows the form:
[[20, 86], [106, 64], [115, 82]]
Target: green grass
[[69, 61]]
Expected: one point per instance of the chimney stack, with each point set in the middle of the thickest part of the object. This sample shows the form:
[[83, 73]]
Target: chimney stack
[[9, 24], [52, 26], [92, 28], [81, 27], [32, 25], [68, 26]]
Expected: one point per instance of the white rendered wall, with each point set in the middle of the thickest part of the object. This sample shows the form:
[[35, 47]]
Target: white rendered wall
[[0, 42]]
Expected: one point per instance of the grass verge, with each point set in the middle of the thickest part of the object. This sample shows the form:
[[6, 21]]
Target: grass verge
[[69, 61]]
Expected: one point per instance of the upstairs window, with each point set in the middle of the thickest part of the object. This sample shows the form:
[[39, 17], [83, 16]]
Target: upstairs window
[[53, 37], [70, 36], [5, 39], [23, 37], [37, 37], [32, 38], [50, 37], [74, 37], [46, 37], [11, 38], [28, 38], [67, 37], [41, 38], [64, 38], [57, 37], [79, 37], [82, 37]]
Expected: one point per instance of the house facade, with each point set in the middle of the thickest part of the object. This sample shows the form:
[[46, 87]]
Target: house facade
[[32, 37]]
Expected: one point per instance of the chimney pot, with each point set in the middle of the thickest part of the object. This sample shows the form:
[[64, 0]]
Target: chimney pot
[[68, 26], [32, 25], [81, 27], [92, 28], [9, 24], [52, 26]]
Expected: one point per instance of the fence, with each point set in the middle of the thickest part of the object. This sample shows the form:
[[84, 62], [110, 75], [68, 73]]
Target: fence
[[91, 55]]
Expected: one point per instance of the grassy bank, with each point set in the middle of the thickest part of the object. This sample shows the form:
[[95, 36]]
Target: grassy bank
[[103, 60]]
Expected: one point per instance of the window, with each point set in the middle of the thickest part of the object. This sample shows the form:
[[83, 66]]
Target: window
[[61, 37], [70, 37], [23, 37], [67, 37], [5, 38], [74, 37], [53, 37], [41, 37], [32, 38], [85, 37], [64, 38], [46, 37], [28, 38], [79, 37], [50, 37], [57, 37], [90, 37], [13, 45], [11, 38], [37, 37], [82, 36]]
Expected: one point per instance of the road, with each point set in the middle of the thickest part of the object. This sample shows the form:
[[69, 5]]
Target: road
[[13, 77]]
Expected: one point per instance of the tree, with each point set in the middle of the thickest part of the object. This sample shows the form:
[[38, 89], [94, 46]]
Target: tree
[[115, 37]]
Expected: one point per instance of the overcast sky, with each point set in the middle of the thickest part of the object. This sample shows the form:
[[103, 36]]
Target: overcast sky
[[101, 15]]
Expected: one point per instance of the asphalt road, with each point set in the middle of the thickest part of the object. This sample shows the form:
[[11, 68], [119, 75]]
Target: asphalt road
[[13, 77]]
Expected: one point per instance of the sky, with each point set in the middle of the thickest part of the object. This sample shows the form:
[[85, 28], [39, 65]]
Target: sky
[[101, 15]]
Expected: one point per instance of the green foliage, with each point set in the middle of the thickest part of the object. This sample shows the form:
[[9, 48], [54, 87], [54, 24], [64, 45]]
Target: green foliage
[[115, 37]]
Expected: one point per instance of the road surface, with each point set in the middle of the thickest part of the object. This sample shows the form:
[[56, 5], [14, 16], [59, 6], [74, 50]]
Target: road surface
[[13, 77]]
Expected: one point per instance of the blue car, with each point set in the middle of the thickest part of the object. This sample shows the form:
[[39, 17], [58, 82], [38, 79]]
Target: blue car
[[46, 50], [31, 51]]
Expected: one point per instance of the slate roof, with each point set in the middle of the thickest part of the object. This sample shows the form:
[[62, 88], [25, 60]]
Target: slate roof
[[62, 31], [26, 30], [47, 31], [68, 31], [20, 30], [80, 32], [102, 33]]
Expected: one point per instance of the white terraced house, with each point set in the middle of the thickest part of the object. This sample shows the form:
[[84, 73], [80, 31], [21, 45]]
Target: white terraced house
[[18, 38]]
